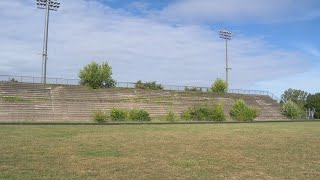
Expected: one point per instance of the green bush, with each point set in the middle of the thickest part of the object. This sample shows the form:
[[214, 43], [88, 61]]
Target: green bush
[[292, 110], [243, 112], [118, 115], [100, 116], [170, 117], [204, 113], [219, 86], [187, 114], [97, 76], [148, 85], [138, 115], [218, 113]]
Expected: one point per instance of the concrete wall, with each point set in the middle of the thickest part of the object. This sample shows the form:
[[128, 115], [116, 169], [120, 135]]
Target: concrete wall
[[39, 103]]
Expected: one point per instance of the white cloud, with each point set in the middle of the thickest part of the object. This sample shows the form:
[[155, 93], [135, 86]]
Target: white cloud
[[307, 81], [248, 11], [136, 47]]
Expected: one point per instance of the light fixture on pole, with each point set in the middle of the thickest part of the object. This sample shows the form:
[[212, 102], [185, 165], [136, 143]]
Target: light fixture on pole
[[48, 5], [227, 36]]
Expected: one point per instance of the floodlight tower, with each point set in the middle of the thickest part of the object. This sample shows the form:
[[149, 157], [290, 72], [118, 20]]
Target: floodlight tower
[[224, 34], [47, 5]]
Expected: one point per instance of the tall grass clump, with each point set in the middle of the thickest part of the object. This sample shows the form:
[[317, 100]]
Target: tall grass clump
[[242, 112], [100, 116], [291, 110], [170, 116]]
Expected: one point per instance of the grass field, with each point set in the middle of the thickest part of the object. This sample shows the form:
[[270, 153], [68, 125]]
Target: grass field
[[220, 151]]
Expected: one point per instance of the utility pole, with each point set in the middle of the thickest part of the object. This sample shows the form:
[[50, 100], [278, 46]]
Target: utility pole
[[47, 5], [227, 36]]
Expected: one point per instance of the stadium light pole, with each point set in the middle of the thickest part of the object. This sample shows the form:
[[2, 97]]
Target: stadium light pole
[[47, 5], [224, 34]]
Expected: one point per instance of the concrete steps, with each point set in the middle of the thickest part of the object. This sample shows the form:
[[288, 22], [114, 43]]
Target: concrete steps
[[77, 103]]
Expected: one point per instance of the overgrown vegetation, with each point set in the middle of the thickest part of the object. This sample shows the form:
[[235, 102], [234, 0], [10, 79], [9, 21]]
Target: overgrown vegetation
[[117, 115], [148, 85], [138, 115], [13, 80], [242, 112], [97, 76], [204, 113], [120, 115], [219, 86], [100, 116], [193, 89], [170, 116], [292, 110], [16, 99]]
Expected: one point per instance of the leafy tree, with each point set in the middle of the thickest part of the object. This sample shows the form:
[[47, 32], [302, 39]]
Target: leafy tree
[[219, 86], [313, 101], [297, 96], [97, 75]]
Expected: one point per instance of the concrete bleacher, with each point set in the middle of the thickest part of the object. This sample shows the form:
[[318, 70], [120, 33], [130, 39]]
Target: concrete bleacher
[[41, 103]]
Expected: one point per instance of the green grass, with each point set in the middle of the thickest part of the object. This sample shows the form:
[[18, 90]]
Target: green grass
[[15, 99], [22, 100], [221, 151]]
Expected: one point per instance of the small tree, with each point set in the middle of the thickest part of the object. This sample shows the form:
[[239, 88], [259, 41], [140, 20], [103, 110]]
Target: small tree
[[295, 95], [97, 75], [219, 86]]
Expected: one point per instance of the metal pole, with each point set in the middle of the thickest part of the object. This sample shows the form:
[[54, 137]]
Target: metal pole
[[227, 68], [45, 44]]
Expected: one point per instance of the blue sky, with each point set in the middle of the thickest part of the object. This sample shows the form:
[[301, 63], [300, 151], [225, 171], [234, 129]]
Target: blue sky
[[275, 44]]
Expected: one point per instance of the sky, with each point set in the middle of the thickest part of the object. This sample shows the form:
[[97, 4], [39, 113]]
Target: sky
[[275, 43]]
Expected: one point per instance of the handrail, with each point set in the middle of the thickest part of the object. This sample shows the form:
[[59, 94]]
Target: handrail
[[64, 81]]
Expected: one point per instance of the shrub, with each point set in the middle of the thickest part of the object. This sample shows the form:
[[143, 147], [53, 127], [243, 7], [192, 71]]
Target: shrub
[[242, 112], [100, 116], [171, 117], [204, 113], [218, 113], [292, 110], [118, 115], [187, 114], [219, 86], [194, 89], [13, 80], [148, 85], [97, 75], [138, 115]]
